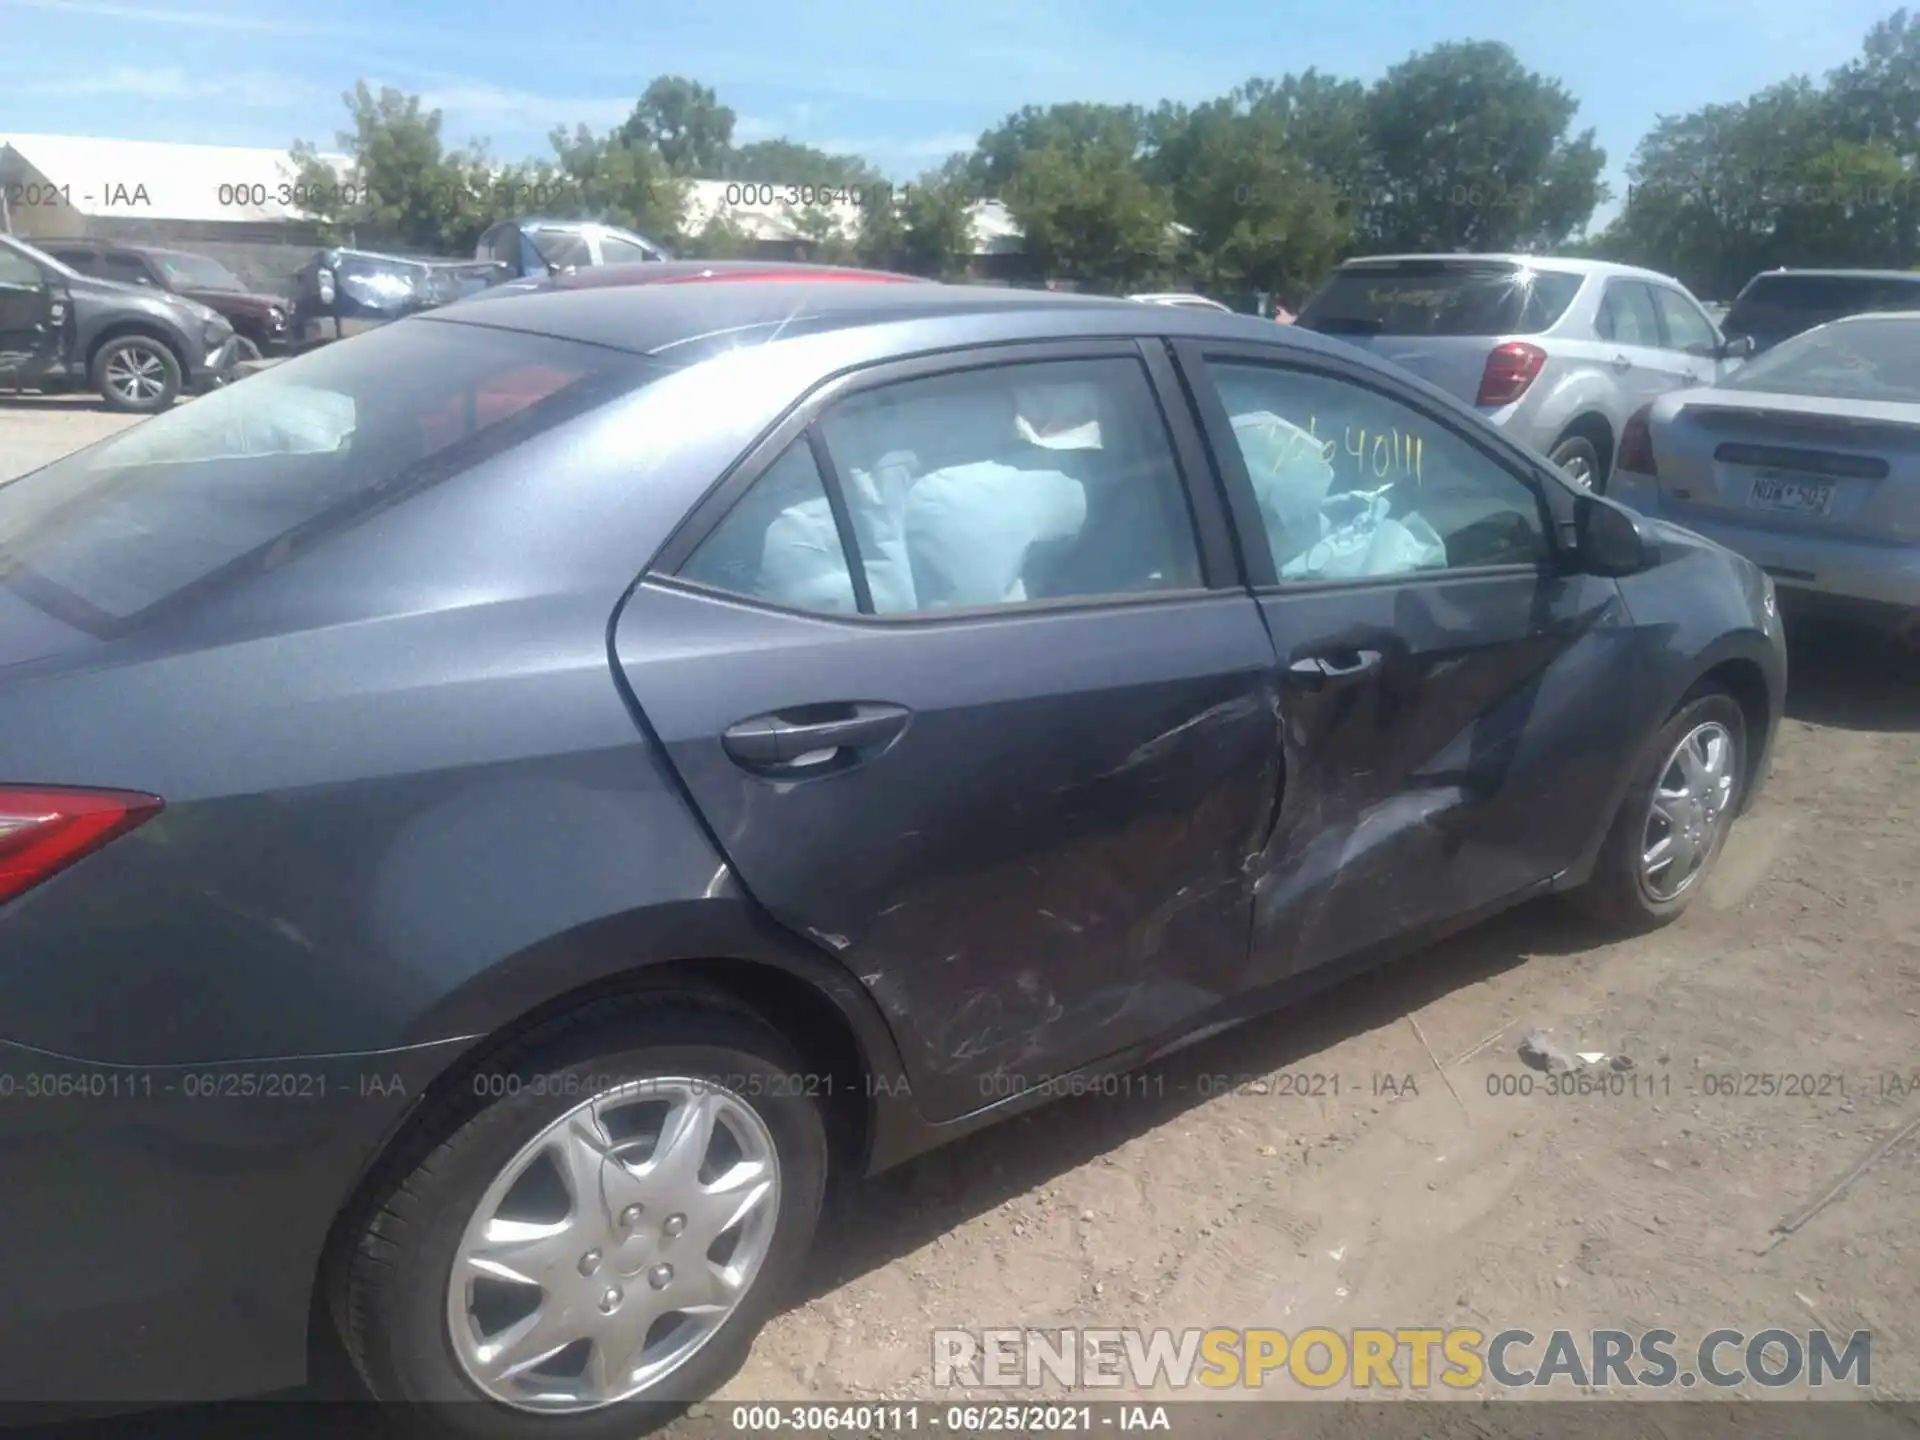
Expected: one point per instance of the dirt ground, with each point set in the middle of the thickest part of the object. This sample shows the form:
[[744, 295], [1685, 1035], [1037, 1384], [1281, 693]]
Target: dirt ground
[[35, 429], [1461, 1205]]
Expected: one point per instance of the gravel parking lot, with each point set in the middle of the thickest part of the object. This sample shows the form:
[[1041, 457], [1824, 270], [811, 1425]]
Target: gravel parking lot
[[37, 428], [1412, 1197]]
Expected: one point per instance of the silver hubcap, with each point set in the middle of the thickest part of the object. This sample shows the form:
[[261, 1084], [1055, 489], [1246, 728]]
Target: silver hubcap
[[1576, 469], [1692, 800], [137, 373], [614, 1245]]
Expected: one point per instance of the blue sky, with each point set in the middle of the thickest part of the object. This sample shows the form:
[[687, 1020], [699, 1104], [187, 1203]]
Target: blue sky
[[901, 82]]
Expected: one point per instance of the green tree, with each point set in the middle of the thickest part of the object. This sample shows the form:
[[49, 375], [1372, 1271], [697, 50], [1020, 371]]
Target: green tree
[[1256, 215], [685, 123], [1089, 214], [1876, 105], [607, 179], [1469, 150], [1074, 129], [406, 188], [1720, 194], [787, 162], [925, 228]]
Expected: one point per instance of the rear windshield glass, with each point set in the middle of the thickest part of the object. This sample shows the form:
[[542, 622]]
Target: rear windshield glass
[[245, 478], [1849, 360], [1427, 299], [1775, 306]]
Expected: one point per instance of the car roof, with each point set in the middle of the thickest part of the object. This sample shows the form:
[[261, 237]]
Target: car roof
[[1572, 264], [1785, 271], [654, 319], [666, 272]]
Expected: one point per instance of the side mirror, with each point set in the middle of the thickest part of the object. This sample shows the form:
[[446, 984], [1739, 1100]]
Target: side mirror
[[1737, 347], [1607, 539]]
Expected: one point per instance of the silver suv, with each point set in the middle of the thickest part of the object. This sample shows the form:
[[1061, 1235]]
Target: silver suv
[[1556, 352]]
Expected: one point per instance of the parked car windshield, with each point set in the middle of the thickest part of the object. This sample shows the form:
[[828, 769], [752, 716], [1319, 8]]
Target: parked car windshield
[[246, 478], [1861, 359], [1440, 298], [197, 272]]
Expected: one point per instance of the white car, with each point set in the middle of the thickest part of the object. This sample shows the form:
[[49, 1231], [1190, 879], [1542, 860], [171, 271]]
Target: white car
[[1191, 302], [1558, 353]]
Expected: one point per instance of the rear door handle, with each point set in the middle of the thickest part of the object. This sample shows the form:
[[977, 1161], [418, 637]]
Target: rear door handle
[[1622, 362], [780, 739], [1334, 670]]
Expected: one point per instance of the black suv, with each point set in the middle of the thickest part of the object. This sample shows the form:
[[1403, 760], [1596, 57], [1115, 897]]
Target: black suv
[[1776, 305], [260, 320], [61, 330]]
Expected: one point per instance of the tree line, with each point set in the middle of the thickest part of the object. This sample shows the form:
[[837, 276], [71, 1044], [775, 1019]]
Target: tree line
[[1458, 148]]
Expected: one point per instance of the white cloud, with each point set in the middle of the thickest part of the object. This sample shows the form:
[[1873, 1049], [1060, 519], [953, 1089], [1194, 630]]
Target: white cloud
[[182, 19], [249, 88], [479, 100]]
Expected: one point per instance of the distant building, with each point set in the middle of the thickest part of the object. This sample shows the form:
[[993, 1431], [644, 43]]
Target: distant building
[[242, 205], [236, 204]]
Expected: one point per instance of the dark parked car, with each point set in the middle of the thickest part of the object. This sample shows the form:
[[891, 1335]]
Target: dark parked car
[[499, 809], [1776, 305], [342, 292], [535, 246], [61, 330], [677, 272], [260, 320]]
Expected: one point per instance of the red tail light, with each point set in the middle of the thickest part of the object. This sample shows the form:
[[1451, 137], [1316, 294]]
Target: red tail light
[[1636, 444], [1510, 370], [42, 831]]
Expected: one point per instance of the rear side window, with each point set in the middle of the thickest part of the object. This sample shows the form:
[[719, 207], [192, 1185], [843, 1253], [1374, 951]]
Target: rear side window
[[1627, 315], [997, 486], [1441, 300], [245, 478]]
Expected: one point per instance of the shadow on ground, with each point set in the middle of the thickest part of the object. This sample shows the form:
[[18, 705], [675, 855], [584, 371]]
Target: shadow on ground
[[880, 1220], [1850, 677]]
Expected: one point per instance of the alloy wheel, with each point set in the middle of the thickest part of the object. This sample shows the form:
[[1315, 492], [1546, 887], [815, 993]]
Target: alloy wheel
[[1692, 804], [1576, 469], [137, 374], [614, 1245]]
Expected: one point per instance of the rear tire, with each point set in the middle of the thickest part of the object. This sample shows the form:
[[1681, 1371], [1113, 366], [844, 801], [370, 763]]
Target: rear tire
[[641, 1226], [136, 374], [1580, 463], [1625, 892]]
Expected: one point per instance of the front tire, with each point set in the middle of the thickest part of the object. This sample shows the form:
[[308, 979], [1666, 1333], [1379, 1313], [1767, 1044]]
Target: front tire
[[594, 1229], [136, 374], [1674, 819]]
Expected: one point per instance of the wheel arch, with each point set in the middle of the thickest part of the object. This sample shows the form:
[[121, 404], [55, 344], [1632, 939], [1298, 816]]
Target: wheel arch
[[148, 329], [1597, 430], [810, 1000], [1735, 663]]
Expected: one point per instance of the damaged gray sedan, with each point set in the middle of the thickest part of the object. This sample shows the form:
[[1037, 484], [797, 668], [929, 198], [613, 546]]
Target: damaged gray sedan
[[495, 811]]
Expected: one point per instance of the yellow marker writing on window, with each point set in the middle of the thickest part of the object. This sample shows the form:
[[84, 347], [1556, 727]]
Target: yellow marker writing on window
[[1380, 453]]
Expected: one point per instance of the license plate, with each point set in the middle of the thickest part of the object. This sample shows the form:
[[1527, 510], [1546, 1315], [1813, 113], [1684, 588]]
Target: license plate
[[1795, 497]]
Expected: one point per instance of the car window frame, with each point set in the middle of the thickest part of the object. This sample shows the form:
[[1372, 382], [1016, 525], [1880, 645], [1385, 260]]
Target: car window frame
[[1681, 297], [1219, 568], [137, 261], [1621, 283], [1193, 356]]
